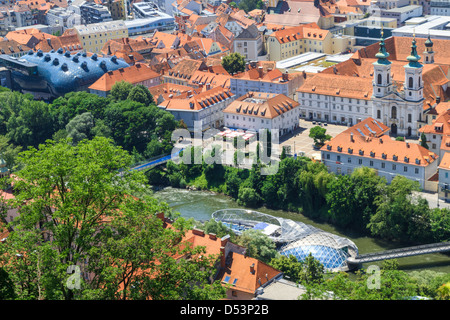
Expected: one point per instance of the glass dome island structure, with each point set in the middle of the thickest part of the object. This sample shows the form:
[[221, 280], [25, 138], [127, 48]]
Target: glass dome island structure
[[293, 237]]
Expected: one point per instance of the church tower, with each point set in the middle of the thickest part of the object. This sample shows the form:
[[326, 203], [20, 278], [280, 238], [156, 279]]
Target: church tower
[[413, 85], [382, 80], [428, 54]]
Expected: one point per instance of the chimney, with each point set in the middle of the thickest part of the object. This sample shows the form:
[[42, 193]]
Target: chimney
[[351, 137], [381, 140], [208, 86], [224, 240], [438, 99], [252, 268], [407, 144], [222, 257], [212, 236], [260, 71], [198, 232], [285, 76]]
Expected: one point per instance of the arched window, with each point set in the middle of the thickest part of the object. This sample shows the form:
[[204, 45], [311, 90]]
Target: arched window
[[379, 114], [411, 82], [387, 78], [379, 79], [394, 112]]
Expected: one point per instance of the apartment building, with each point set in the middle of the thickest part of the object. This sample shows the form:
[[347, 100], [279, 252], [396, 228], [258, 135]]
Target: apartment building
[[249, 43], [205, 108], [260, 110], [94, 36], [264, 77], [367, 144], [63, 17], [94, 13], [136, 74]]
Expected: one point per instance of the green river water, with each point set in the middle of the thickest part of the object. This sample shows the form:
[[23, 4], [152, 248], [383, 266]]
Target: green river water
[[201, 204]]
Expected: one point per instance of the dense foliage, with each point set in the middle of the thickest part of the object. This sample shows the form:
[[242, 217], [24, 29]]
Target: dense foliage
[[363, 201], [82, 217], [128, 115], [234, 63]]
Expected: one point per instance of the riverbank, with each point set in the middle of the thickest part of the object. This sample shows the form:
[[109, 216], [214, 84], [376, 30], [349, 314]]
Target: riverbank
[[201, 204]]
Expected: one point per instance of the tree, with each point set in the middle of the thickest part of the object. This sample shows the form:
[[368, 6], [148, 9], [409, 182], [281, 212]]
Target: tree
[[8, 152], [120, 90], [423, 141], [290, 266], [319, 135], [80, 127], [234, 63], [258, 244], [140, 93], [395, 217], [86, 215]]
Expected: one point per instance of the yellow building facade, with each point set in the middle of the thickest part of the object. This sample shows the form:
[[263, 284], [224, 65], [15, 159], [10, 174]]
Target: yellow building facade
[[94, 36]]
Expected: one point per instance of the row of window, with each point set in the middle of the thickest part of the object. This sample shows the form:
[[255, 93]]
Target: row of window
[[333, 98], [371, 163]]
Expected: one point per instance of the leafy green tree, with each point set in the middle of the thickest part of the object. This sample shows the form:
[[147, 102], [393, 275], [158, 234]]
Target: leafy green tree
[[258, 245], [248, 196], [312, 271], [423, 141], [350, 198], [85, 214], [234, 63], [318, 134], [140, 93], [8, 152], [290, 266], [80, 127], [395, 214], [121, 90]]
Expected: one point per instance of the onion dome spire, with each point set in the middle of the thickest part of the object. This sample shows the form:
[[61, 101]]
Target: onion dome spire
[[413, 57], [382, 54]]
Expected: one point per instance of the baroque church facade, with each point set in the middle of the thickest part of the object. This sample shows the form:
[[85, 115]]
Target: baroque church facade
[[391, 92]]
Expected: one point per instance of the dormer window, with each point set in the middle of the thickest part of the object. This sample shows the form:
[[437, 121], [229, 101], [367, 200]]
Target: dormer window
[[328, 147], [395, 157], [361, 152]]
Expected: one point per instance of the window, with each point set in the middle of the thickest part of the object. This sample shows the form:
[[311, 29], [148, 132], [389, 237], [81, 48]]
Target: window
[[359, 161], [394, 167], [349, 160], [383, 165], [371, 163], [379, 114], [410, 82], [338, 158], [409, 117], [405, 169], [416, 170], [394, 112], [379, 79]]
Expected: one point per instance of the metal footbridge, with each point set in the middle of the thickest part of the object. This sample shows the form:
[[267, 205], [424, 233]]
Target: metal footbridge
[[155, 162], [400, 253]]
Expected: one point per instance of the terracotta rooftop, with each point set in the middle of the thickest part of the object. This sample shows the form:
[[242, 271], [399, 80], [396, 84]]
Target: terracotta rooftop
[[381, 148], [338, 86], [262, 105], [246, 274], [133, 74], [199, 101]]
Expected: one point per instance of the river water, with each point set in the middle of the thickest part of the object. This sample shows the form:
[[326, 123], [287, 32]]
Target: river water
[[201, 204]]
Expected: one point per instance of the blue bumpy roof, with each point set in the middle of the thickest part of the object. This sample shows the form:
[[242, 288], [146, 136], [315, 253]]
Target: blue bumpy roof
[[66, 72]]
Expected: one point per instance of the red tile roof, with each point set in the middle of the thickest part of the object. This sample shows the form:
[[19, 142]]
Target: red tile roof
[[133, 74]]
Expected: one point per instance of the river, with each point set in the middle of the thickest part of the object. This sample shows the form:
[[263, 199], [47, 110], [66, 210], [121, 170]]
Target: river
[[201, 204]]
